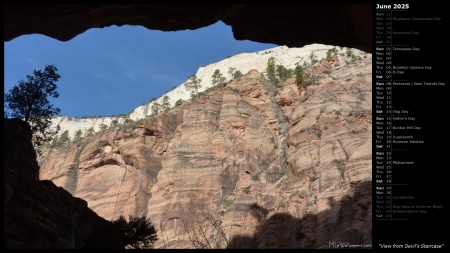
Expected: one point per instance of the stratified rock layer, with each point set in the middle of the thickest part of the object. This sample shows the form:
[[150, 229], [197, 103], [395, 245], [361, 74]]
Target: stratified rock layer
[[244, 62], [300, 156]]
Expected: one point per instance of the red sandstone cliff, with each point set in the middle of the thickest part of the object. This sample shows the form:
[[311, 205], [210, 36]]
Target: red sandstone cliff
[[300, 156]]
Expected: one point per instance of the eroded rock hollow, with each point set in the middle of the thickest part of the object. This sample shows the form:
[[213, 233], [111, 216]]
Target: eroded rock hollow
[[292, 25]]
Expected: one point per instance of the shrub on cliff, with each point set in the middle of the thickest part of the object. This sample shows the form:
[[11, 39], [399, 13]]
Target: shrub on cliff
[[193, 85], [277, 73], [137, 232], [78, 136], [234, 73], [165, 104], [299, 75], [218, 78], [179, 102], [271, 71]]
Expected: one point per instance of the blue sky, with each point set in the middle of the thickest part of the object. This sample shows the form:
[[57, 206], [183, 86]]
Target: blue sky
[[113, 70]]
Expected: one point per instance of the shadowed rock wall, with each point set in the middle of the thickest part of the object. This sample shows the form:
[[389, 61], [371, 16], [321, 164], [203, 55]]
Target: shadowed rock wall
[[297, 25], [38, 214]]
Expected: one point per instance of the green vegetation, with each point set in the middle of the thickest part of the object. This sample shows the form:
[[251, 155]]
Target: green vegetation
[[129, 123], [155, 109], [29, 101], [237, 74], [234, 73], [179, 102], [114, 123], [299, 74], [165, 104], [63, 139], [55, 142], [226, 202], [348, 52], [193, 85], [218, 78], [331, 52], [351, 56], [271, 70], [283, 73], [312, 80], [313, 58], [78, 136], [90, 132], [322, 109], [277, 73]]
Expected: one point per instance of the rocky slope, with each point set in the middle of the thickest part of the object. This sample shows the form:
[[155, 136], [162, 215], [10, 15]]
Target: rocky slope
[[288, 57], [284, 166]]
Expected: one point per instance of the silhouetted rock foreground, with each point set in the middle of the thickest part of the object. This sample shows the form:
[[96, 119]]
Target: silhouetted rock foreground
[[38, 214], [346, 25]]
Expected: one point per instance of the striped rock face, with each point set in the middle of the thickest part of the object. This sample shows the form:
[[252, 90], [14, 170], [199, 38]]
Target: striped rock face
[[280, 166]]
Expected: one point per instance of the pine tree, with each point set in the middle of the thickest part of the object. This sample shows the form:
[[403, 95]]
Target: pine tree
[[193, 85], [299, 75], [78, 135], [271, 71], [64, 138], [218, 78], [165, 104], [283, 73], [155, 108], [29, 101], [90, 131]]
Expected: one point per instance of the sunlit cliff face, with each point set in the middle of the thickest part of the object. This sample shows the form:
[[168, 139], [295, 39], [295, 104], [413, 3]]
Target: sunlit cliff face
[[299, 150]]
